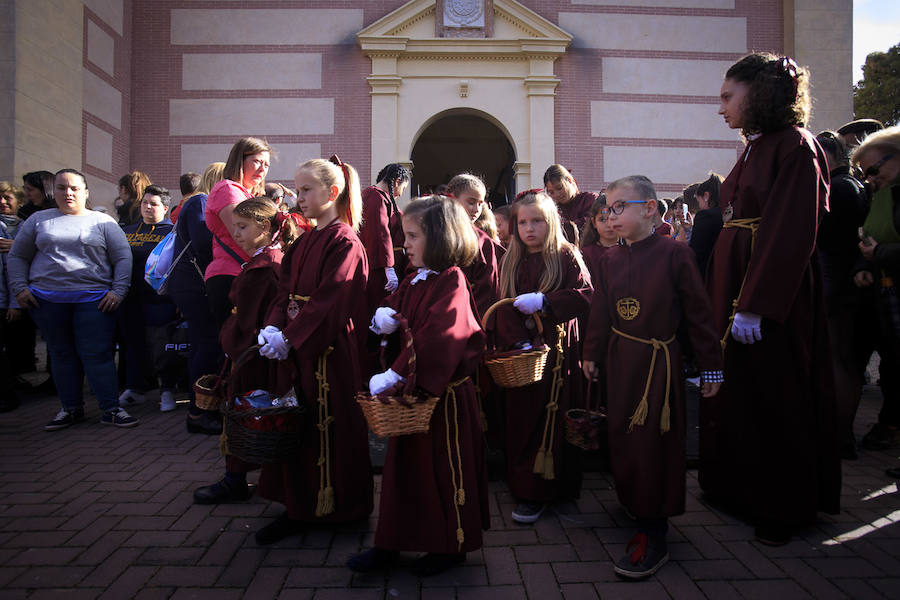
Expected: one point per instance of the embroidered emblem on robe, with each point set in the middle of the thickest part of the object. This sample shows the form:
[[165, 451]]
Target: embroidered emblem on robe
[[628, 308]]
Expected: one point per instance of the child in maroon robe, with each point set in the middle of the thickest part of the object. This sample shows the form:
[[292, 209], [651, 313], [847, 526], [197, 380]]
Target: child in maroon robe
[[547, 275], [597, 236], [381, 232], [574, 206], [316, 330], [768, 443], [434, 495], [642, 291], [263, 232], [483, 273]]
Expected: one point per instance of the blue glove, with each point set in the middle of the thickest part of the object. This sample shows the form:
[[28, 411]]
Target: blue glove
[[529, 303]]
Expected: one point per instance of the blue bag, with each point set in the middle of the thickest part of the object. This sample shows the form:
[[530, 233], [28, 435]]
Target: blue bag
[[160, 263]]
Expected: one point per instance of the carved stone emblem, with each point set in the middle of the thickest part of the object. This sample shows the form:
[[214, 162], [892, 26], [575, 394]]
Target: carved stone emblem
[[463, 13]]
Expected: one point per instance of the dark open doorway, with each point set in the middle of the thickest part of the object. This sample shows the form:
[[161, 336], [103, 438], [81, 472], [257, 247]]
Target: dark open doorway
[[459, 143]]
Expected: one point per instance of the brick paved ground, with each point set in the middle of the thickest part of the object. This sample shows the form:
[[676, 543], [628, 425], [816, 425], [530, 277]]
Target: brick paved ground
[[98, 512]]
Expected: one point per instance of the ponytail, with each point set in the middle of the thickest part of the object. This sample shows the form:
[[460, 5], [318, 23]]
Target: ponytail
[[335, 172]]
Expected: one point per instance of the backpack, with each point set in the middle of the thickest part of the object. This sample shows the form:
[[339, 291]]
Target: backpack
[[161, 263]]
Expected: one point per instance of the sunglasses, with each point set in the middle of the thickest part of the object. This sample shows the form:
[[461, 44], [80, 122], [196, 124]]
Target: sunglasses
[[876, 168]]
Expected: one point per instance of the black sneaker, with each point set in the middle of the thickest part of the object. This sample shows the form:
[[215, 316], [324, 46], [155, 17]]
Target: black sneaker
[[643, 557], [64, 418], [118, 417]]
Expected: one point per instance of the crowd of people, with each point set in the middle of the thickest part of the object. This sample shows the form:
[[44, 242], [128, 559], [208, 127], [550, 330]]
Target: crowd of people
[[772, 285]]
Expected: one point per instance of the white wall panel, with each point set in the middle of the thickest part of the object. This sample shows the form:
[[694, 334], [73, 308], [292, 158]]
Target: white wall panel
[[666, 165], [252, 116], [196, 157], [659, 120], [673, 33], [294, 71], [663, 76], [232, 26]]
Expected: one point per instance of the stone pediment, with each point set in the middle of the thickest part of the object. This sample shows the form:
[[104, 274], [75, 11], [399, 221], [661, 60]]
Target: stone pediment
[[410, 31]]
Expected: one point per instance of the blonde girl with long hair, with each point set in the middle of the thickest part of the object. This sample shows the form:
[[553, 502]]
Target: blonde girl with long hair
[[315, 330], [546, 275]]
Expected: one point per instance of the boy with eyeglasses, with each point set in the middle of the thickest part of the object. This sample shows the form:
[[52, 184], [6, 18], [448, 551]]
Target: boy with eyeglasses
[[643, 290]]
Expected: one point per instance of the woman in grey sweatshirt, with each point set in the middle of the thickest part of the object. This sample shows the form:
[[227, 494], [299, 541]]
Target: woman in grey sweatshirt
[[71, 267]]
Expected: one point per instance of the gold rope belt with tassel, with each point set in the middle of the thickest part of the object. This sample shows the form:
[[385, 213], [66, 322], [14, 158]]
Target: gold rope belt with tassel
[[325, 503], [753, 226], [456, 471], [543, 460], [640, 413], [298, 297]]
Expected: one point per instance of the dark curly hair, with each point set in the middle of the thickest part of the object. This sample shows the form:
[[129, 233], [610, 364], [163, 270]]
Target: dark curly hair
[[778, 94]]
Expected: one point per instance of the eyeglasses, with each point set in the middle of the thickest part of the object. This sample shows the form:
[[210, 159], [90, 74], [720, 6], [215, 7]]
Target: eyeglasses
[[876, 168], [618, 208]]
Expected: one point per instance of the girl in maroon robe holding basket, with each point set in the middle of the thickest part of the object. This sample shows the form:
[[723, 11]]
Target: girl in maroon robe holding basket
[[315, 329], [546, 275], [434, 495], [263, 232]]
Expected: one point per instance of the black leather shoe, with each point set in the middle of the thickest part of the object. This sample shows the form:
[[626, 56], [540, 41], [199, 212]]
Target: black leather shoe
[[204, 423], [222, 493], [373, 559], [434, 563], [278, 529], [772, 534]]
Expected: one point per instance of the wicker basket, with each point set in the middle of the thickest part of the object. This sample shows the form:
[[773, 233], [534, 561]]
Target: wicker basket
[[254, 445], [210, 391], [584, 426], [400, 412], [516, 368]]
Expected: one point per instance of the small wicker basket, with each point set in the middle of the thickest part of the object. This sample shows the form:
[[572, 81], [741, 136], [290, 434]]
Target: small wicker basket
[[584, 426], [252, 444], [210, 390], [401, 412], [516, 368]]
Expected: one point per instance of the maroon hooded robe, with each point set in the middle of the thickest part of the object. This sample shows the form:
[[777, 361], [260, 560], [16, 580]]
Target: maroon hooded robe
[[381, 233], [484, 272], [661, 275], [329, 266], [417, 510], [768, 441], [525, 406], [251, 295], [575, 214]]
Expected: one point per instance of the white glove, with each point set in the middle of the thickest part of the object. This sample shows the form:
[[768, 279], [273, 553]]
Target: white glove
[[529, 303], [384, 322], [392, 281], [274, 344], [384, 381], [747, 328]]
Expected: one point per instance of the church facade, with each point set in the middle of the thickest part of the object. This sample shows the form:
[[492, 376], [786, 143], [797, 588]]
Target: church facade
[[501, 87]]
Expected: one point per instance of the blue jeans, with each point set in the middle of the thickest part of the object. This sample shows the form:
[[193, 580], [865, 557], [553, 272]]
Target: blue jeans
[[80, 341]]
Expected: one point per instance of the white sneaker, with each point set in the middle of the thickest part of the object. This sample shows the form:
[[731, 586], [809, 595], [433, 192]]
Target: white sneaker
[[130, 398], [167, 401]]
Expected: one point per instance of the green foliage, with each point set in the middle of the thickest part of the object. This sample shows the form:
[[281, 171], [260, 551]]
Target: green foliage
[[877, 95]]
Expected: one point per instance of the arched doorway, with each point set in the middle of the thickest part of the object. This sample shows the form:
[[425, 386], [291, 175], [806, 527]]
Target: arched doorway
[[459, 143]]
